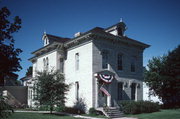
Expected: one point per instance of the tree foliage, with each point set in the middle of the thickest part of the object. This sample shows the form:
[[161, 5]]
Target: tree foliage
[[50, 89], [9, 61], [163, 78], [29, 71], [4, 108]]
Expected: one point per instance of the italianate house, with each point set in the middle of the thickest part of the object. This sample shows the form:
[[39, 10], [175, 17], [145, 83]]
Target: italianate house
[[102, 65]]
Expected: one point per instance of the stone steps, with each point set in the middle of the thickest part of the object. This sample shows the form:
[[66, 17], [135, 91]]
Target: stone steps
[[113, 112]]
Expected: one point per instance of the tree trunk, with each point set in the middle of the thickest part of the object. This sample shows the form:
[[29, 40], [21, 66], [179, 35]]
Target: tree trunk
[[51, 109], [1, 80]]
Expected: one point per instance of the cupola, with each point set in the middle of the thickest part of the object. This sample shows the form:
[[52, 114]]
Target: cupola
[[117, 29]]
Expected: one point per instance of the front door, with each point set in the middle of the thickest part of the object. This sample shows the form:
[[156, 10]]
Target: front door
[[102, 97], [133, 91], [102, 100]]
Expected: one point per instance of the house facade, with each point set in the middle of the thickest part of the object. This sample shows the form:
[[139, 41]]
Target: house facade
[[102, 65]]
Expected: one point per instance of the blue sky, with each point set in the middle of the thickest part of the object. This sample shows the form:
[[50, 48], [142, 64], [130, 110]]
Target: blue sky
[[155, 22]]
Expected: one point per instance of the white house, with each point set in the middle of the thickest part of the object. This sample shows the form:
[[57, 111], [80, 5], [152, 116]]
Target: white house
[[103, 65]]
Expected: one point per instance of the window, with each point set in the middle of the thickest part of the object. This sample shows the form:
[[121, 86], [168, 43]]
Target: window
[[133, 66], [77, 90], [120, 32], [46, 41], [120, 62], [133, 91], [44, 63], [105, 59], [120, 91], [47, 63], [29, 94], [61, 65], [77, 61]]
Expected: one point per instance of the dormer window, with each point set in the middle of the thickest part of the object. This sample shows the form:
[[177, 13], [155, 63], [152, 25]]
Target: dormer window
[[117, 29], [46, 41]]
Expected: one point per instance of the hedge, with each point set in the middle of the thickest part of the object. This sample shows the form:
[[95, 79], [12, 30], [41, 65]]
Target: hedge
[[137, 107]]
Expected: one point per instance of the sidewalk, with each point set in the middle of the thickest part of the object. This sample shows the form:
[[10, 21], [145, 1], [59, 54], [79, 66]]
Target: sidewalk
[[73, 115]]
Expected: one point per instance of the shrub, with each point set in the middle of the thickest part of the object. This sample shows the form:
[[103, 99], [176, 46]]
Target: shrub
[[137, 107], [60, 108], [5, 109], [72, 110], [92, 111], [80, 105], [44, 108]]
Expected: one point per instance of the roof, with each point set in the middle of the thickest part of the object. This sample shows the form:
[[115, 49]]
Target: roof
[[57, 38], [26, 78], [102, 32], [97, 31], [43, 48]]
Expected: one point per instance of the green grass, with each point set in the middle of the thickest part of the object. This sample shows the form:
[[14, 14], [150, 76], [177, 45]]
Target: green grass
[[28, 115], [96, 116], [163, 114]]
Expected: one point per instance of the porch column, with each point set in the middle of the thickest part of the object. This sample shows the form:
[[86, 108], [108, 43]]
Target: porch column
[[109, 101], [96, 93]]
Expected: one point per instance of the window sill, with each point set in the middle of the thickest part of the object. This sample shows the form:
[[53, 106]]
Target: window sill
[[133, 72], [120, 70]]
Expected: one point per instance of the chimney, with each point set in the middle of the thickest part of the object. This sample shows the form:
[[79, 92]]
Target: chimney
[[77, 34]]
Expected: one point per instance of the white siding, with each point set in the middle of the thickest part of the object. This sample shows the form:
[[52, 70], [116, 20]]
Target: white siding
[[114, 32], [83, 75], [52, 57]]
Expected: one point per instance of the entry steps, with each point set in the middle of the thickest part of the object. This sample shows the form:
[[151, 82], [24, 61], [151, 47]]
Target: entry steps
[[111, 112]]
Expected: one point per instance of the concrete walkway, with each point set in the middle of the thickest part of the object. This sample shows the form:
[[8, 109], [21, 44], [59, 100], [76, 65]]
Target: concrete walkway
[[73, 115]]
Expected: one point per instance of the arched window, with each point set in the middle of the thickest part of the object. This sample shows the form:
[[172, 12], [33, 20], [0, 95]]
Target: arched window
[[77, 61], [61, 65], [120, 61], [105, 57], [133, 64], [77, 90], [44, 63], [47, 63]]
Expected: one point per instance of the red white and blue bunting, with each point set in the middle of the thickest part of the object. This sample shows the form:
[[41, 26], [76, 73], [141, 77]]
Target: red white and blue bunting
[[105, 77]]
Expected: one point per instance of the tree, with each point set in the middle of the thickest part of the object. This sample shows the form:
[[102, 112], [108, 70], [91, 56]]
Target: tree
[[50, 89], [4, 108], [163, 78], [29, 71], [9, 61]]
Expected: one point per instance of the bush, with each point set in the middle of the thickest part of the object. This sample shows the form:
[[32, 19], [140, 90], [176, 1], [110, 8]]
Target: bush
[[137, 107], [60, 108], [92, 111], [5, 109], [72, 110], [80, 105], [44, 108]]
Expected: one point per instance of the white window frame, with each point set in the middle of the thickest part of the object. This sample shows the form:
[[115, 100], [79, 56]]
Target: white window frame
[[105, 59], [77, 61], [120, 61]]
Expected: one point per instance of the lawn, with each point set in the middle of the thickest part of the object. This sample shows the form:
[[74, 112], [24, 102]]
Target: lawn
[[163, 114], [28, 115]]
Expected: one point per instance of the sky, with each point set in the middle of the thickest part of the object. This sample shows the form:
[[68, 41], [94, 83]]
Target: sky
[[154, 22]]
